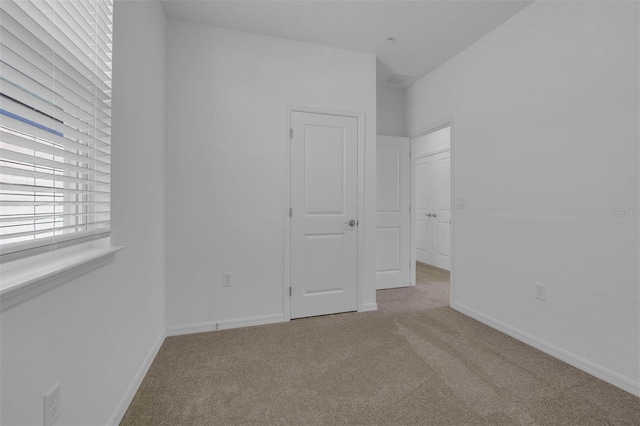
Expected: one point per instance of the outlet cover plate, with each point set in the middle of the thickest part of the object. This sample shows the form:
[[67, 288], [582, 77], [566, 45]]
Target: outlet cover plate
[[52, 405], [226, 279], [541, 292]]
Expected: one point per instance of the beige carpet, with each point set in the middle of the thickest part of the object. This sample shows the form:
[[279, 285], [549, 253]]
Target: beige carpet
[[396, 366]]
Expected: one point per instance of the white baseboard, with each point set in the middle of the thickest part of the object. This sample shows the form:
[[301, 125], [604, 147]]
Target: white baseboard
[[370, 307], [137, 381], [178, 330], [576, 361]]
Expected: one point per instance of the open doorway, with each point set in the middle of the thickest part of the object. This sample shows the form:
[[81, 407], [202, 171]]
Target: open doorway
[[432, 213], [415, 194]]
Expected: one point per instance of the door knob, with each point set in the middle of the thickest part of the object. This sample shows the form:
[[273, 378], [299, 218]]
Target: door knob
[[351, 223], [428, 215], [434, 215]]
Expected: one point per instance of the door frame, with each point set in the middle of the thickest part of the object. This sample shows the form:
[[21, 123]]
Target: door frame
[[435, 126], [360, 270]]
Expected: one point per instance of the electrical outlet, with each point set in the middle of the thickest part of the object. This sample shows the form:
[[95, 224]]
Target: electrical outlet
[[460, 203], [226, 279], [52, 405], [541, 292]]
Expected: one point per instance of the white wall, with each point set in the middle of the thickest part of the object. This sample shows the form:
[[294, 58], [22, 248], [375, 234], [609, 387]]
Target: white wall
[[391, 104], [94, 333], [227, 93], [545, 141]]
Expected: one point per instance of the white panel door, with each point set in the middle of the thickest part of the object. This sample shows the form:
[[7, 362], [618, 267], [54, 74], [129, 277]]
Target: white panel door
[[433, 210], [441, 218], [393, 230], [424, 205], [324, 198]]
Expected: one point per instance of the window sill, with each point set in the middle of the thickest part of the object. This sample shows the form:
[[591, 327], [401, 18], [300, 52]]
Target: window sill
[[27, 279]]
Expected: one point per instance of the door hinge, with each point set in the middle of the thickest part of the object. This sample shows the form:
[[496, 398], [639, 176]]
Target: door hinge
[[290, 211], [290, 133], [409, 154], [409, 209], [289, 291]]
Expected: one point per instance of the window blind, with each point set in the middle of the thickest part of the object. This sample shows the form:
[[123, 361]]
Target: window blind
[[55, 122]]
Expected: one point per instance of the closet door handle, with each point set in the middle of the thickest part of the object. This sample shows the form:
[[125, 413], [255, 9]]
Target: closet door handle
[[434, 215], [428, 215]]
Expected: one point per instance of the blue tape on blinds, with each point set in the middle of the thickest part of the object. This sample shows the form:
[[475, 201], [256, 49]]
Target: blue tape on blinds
[[32, 123]]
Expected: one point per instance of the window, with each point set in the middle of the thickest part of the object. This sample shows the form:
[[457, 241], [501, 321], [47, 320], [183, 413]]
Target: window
[[55, 122]]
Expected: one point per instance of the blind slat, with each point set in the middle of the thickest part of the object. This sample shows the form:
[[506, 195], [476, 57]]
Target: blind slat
[[41, 203], [7, 219], [51, 164], [40, 175], [60, 151], [54, 229], [45, 189]]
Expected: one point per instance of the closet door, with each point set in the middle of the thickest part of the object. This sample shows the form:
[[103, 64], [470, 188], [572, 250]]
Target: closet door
[[432, 229]]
